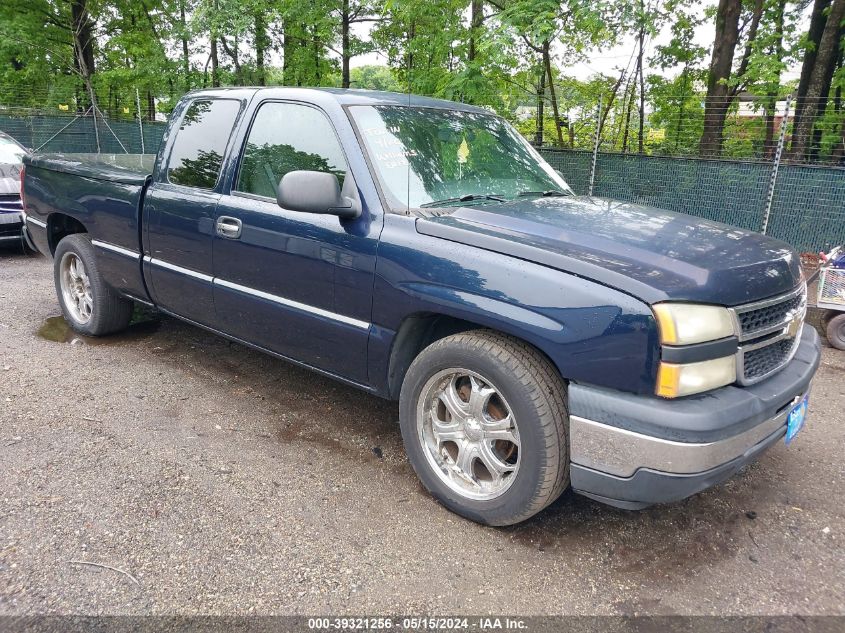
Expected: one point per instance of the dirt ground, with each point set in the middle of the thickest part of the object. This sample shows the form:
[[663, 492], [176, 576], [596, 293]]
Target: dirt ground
[[227, 482]]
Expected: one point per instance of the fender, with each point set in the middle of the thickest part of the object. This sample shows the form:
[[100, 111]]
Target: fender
[[592, 333]]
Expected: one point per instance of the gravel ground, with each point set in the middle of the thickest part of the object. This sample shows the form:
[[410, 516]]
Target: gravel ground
[[228, 482]]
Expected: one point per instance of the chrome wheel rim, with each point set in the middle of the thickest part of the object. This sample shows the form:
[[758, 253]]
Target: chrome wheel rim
[[468, 434], [76, 288]]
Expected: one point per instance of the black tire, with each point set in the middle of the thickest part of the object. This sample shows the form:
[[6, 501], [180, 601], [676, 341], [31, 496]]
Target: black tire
[[536, 395], [109, 311], [835, 330]]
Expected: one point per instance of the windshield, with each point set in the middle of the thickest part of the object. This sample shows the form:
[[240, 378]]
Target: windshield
[[10, 152], [430, 156]]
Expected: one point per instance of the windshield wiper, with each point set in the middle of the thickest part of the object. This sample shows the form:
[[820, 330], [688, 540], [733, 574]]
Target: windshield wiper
[[544, 194], [467, 198]]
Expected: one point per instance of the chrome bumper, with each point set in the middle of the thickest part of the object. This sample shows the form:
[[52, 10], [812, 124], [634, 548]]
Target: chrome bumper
[[621, 453], [632, 451]]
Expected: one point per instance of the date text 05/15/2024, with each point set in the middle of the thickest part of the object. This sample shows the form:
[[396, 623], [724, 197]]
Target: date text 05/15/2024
[[410, 623]]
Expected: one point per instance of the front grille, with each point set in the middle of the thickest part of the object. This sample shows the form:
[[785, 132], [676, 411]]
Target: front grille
[[762, 361], [768, 334], [10, 203], [773, 315]]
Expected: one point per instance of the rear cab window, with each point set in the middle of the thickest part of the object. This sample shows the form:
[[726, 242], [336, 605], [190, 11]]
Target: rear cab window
[[200, 144]]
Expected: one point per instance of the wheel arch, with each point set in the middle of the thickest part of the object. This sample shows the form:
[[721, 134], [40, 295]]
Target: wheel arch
[[59, 226], [419, 330]]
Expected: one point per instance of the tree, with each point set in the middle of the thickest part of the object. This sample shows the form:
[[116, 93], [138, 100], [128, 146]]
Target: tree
[[829, 49], [721, 63], [810, 45], [574, 25], [349, 13], [374, 78], [677, 106]]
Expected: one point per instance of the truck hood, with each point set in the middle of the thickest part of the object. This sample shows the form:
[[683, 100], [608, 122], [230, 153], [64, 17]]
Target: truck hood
[[650, 253]]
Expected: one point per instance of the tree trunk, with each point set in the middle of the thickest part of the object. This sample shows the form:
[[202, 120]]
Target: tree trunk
[[828, 50], [642, 81], [287, 47], [629, 106], [756, 16], [476, 20], [547, 60], [777, 52], [260, 47], [346, 53], [541, 104], [818, 19], [317, 46], [829, 72], [215, 64], [234, 54], [721, 61], [83, 45], [684, 85], [186, 57], [609, 105]]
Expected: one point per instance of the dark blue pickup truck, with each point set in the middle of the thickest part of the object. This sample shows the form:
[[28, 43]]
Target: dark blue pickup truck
[[421, 250]]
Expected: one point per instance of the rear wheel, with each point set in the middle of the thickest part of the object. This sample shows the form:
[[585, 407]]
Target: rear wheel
[[835, 331], [483, 419], [89, 305]]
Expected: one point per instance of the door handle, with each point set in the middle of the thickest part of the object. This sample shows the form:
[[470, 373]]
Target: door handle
[[228, 227]]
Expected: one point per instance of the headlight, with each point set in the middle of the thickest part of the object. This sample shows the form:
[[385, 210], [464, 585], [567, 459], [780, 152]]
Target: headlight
[[674, 380], [687, 323]]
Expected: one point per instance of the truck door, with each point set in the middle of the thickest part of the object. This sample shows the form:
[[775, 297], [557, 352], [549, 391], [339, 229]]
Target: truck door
[[298, 284], [179, 210]]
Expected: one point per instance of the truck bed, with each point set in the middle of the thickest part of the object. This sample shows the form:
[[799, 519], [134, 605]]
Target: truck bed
[[128, 169], [104, 193]]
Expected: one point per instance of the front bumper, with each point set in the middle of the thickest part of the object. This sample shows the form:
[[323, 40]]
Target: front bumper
[[633, 451], [10, 227]]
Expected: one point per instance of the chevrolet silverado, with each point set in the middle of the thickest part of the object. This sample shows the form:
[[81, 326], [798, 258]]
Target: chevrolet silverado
[[423, 251]]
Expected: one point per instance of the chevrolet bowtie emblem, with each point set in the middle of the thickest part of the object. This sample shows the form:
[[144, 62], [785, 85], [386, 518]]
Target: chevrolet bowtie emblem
[[793, 326]]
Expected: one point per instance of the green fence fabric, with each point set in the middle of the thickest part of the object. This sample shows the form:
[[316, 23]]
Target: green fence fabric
[[574, 165], [808, 205], [69, 134], [808, 208]]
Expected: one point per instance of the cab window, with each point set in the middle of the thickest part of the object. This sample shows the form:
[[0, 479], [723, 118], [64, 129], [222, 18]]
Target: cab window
[[287, 137], [200, 143]]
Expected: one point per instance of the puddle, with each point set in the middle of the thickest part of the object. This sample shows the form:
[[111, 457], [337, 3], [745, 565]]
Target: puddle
[[56, 330]]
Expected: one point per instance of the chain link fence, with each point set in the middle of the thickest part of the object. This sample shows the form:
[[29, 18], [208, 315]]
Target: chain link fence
[[60, 118], [759, 181], [82, 133], [751, 175]]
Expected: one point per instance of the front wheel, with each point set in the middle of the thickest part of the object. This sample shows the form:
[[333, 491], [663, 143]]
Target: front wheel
[[483, 419], [89, 305]]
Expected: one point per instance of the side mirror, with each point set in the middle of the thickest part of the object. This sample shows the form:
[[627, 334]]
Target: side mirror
[[319, 192]]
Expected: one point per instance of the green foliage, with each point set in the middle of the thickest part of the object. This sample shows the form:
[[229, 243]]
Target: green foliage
[[375, 78], [492, 53]]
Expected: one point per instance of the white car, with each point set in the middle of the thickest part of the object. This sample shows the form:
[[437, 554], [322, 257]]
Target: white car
[[11, 164]]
